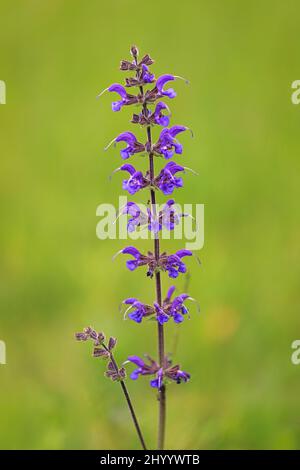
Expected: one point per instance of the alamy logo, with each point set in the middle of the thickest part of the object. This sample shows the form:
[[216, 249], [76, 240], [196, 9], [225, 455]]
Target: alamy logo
[[296, 94], [2, 352], [2, 92], [139, 221], [295, 357]]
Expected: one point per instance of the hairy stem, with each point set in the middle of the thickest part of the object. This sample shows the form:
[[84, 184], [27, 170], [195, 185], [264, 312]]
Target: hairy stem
[[160, 328], [128, 400]]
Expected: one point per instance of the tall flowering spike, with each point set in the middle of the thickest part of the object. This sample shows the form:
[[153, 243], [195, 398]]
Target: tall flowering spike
[[147, 94]]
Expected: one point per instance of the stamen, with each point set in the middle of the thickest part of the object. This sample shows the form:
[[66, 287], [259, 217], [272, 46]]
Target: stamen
[[198, 259], [191, 170], [192, 217], [192, 133], [118, 216], [168, 109], [126, 311], [115, 171], [110, 143], [196, 302], [181, 78], [116, 254], [100, 94]]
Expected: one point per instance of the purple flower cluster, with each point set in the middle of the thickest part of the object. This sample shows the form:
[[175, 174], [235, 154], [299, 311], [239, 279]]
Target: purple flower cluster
[[172, 264], [150, 93], [169, 309], [147, 93], [167, 371], [166, 180], [166, 218], [166, 145]]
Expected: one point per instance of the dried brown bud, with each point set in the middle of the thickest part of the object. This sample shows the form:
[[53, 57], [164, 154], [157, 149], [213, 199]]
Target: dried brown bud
[[81, 336], [100, 338], [133, 82], [146, 60], [126, 65], [99, 352], [89, 331], [134, 51], [111, 343], [122, 373]]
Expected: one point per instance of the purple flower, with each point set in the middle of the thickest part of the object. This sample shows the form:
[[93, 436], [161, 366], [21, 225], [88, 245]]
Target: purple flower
[[158, 116], [125, 100], [154, 224], [140, 310], [176, 308], [167, 143], [133, 146], [143, 368], [158, 381], [173, 264], [174, 373], [167, 371], [166, 181], [160, 83], [168, 217], [169, 309], [138, 217], [146, 76], [170, 263], [136, 181], [161, 316], [139, 259]]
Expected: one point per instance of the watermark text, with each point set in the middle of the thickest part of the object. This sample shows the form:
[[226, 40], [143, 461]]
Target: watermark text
[[139, 221], [2, 92], [295, 97], [295, 357], [2, 352]]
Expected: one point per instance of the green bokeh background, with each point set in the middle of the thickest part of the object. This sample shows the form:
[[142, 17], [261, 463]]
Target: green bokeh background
[[57, 277]]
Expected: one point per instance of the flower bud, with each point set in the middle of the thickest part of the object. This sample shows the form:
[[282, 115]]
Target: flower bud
[[134, 51]]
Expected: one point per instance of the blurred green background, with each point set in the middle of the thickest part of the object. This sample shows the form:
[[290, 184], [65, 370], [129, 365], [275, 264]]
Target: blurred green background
[[57, 277]]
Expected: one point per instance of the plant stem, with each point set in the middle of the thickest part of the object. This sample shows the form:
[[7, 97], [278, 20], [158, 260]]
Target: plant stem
[[160, 328], [133, 415], [128, 400], [160, 331]]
